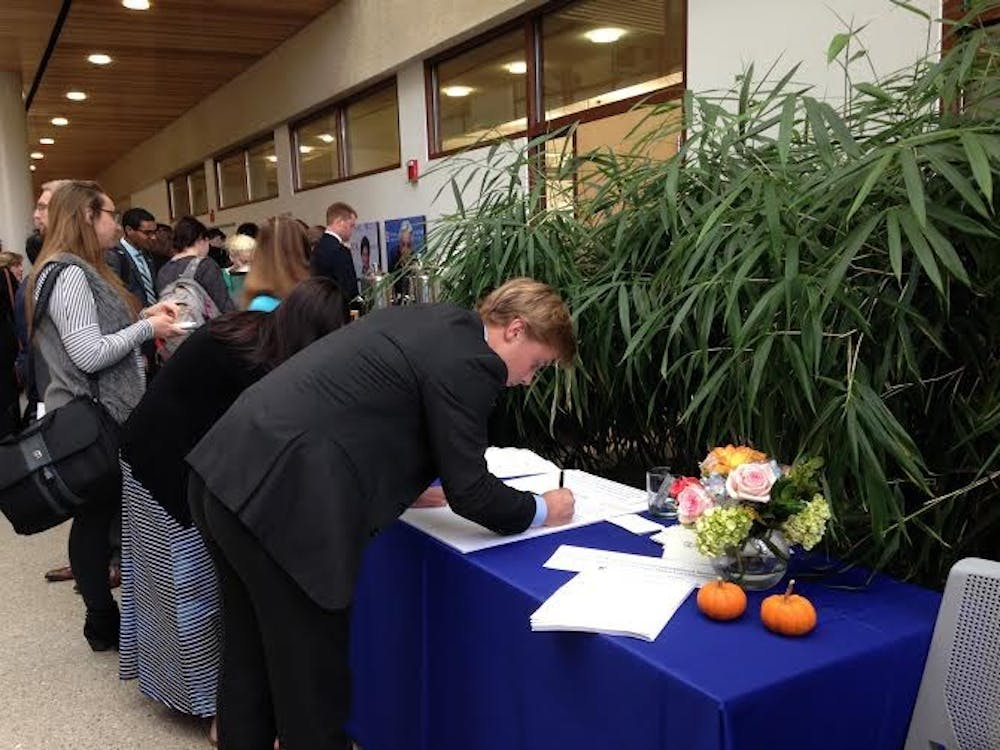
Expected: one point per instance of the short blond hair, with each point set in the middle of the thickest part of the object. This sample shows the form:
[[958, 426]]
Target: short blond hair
[[544, 313], [240, 248]]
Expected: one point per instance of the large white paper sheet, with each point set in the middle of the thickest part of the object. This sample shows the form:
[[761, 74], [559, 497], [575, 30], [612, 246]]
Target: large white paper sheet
[[516, 462], [596, 500], [578, 559]]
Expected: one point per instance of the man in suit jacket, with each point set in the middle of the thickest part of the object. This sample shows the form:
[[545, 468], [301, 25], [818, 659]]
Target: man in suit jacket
[[332, 257], [131, 258], [316, 458]]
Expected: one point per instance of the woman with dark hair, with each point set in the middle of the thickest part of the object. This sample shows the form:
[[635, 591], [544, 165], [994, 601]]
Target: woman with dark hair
[[171, 617], [191, 246], [89, 333]]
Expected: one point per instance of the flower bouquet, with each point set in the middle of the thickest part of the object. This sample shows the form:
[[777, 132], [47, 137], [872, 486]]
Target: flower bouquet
[[747, 512]]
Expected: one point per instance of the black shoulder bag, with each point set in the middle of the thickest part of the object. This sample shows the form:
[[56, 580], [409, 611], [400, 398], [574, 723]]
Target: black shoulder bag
[[66, 459]]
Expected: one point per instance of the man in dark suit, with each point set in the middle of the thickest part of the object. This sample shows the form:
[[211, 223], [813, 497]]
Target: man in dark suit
[[316, 458], [332, 257], [131, 258]]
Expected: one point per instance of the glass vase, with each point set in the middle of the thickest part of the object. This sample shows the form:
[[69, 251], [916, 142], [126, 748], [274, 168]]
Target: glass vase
[[760, 564]]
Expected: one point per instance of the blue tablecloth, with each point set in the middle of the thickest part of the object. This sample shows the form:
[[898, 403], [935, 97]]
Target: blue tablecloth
[[444, 659]]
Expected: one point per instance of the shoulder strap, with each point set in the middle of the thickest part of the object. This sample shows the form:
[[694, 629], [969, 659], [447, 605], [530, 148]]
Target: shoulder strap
[[192, 267], [41, 307]]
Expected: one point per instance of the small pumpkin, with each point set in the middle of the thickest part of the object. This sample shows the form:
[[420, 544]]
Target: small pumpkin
[[788, 613], [720, 600]]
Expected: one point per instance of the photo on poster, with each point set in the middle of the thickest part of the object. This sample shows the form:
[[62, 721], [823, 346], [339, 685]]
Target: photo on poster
[[404, 240], [365, 249]]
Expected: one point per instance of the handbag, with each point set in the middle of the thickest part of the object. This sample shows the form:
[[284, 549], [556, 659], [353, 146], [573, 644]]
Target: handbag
[[63, 461]]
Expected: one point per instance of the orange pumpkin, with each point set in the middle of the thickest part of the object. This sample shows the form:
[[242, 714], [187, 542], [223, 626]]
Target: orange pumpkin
[[788, 613], [720, 600]]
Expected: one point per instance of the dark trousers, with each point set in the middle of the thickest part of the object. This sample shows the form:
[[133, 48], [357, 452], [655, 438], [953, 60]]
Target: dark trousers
[[89, 553], [284, 670]]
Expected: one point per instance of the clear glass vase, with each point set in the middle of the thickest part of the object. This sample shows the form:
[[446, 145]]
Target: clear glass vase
[[760, 564]]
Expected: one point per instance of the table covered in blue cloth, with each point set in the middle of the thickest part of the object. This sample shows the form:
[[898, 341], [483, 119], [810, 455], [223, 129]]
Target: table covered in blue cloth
[[444, 659]]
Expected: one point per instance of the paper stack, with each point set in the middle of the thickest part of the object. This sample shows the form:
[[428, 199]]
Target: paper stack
[[616, 601]]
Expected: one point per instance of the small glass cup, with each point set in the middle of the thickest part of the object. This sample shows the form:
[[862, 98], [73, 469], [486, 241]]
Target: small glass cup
[[658, 481]]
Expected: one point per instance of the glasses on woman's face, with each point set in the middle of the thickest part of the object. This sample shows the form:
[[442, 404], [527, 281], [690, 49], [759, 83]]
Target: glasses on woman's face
[[114, 214]]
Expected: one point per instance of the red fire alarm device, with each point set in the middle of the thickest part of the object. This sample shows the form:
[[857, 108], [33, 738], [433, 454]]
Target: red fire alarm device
[[211, 215], [413, 170]]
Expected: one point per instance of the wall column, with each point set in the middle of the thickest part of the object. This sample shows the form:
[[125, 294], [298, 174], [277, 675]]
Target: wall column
[[15, 179]]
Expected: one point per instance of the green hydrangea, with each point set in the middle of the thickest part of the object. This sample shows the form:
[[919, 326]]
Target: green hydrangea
[[808, 525], [722, 527]]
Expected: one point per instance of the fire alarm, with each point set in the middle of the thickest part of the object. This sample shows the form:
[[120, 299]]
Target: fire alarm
[[211, 215], [412, 170]]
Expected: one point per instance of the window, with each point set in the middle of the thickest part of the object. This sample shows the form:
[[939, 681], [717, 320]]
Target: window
[[188, 193], [354, 137], [247, 175], [583, 61]]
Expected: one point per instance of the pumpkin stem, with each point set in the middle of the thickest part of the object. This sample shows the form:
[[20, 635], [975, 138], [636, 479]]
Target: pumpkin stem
[[791, 585]]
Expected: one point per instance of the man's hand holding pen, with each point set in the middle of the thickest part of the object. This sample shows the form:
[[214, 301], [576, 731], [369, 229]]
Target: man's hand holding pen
[[560, 504]]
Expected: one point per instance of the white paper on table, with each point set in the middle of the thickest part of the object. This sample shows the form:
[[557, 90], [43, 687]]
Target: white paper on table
[[680, 550], [464, 535], [636, 524], [516, 462], [615, 498], [577, 559], [616, 601]]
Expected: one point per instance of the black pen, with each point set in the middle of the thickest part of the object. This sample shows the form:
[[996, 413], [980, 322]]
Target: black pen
[[560, 478]]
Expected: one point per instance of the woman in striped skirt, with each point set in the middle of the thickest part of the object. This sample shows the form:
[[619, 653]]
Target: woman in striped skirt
[[171, 631]]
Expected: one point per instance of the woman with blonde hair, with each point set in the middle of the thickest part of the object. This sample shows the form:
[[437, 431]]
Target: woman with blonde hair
[[240, 248], [280, 263], [90, 330]]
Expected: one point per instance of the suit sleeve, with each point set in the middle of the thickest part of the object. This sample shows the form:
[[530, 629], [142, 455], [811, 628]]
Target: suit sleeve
[[345, 277], [458, 403], [321, 262]]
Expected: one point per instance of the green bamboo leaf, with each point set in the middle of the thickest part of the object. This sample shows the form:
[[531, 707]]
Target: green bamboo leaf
[[624, 311], [819, 132], [852, 245], [979, 163], [895, 245], [836, 46], [866, 187], [798, 364], [787, 127], [946, 253], [920, 248], [840, 131], [958, 181], [914, 185], [913, 9], [875, 92]]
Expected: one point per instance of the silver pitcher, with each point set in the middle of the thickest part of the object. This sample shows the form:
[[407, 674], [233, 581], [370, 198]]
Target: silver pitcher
[[379, 292], [426, 287]]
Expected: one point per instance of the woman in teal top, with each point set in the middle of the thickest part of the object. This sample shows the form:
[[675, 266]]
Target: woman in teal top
[[280, 263]]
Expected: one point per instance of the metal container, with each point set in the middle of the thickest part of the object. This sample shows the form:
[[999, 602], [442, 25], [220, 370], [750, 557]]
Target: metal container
[[426, 287], [379, 292]]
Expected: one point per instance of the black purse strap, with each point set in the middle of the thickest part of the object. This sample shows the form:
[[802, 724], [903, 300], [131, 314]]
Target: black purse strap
[[41, 308]]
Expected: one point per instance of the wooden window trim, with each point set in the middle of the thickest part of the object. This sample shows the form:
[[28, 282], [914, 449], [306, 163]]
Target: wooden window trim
[[358, 176]]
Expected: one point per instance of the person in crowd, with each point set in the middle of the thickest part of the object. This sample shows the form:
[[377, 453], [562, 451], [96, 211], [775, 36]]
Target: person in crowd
[[131, 257], [171, 636], [90, 329], [11, 268], [240, 248], [217, 248], [333, 253], [191, 246], [249, 228], [315, 234], [32, 247], [310, 462], [281, 261], [163, 250]]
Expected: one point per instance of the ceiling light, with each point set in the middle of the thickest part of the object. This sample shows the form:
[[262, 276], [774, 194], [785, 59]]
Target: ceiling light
[[136, 4], [76, 96], [272, 158], [607, 35], [518, 68], [60, 121], [99, 58], [305, 149], [457, 91], [47, 141], [37, 155], [32, 167], [326, 138]]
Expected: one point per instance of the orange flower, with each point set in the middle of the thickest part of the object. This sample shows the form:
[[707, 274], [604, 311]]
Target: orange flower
[[722, 460]]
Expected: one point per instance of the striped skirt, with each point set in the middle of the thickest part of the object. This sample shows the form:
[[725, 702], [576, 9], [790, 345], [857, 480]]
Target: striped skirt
[[171, 626]]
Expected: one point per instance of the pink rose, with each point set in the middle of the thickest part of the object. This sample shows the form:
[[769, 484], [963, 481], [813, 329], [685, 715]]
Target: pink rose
[[680, 483], [751, 481], [692, 501]]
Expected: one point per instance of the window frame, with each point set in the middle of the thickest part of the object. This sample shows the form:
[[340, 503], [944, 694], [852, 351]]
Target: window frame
[[243, 149], [531, 22], [185, 175], [338, 108]]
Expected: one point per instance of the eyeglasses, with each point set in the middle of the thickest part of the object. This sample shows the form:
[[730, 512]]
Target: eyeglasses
[[114, 214], [151, 233]]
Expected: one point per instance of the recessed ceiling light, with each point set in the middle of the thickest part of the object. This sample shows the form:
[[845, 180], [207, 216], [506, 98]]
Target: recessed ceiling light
[[47, 141], [60, 121], [272, 158], [607, 35], [32, 167], [136, 4], [37, 155], [326, 138], [518, 68], [76, 96], [457, 91], [99, 58], [305, 149]]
